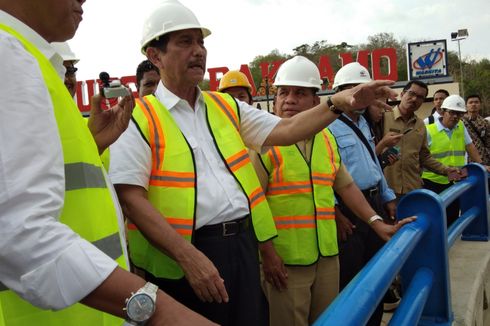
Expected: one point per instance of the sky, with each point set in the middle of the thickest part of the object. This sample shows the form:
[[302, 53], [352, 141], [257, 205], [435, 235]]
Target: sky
[[108, 38]]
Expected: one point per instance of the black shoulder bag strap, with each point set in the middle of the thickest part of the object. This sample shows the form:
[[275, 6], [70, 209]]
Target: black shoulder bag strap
[[359, 134], [431, 119]]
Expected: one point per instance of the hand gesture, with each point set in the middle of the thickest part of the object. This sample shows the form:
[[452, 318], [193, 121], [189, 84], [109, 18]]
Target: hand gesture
[[107, 125], [373, 94], [391, 139]]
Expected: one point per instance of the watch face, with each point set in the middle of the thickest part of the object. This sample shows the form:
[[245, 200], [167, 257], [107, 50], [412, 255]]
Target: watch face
[[140, 307]]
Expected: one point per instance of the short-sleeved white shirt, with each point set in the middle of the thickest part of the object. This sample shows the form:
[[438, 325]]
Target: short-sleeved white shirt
[[219, 196]]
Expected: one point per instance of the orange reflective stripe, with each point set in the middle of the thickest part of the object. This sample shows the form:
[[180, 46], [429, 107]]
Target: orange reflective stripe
[[157, 140], [173, 179], [181, 225], [226, 108], [323, 178], [238, 160], [331, 154], [279, 188], [295, 222], [276, 158], [256, 197], [325, 213], [131, 226]]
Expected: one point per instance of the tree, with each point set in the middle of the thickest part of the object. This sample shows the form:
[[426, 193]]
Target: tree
[[387, 40]]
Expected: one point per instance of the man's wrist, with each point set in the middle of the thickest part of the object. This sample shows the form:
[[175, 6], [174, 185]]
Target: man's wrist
[[331, 107], [374, 218]]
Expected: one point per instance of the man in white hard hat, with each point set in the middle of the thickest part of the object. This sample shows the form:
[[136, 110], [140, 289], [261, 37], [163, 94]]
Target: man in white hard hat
[[59, 236], [184, 175], [358, 242], [69, 61], [449, 142], [299, 181]]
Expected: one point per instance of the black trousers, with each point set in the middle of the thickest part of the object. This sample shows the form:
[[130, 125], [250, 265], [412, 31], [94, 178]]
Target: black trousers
[[236, 258], [359, 248], [452, 211]]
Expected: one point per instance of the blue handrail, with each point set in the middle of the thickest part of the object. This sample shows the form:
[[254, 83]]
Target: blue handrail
[[419, 252]]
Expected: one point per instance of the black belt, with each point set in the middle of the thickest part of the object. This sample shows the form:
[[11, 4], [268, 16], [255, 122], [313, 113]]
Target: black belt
[[224, 229], [370, 192]]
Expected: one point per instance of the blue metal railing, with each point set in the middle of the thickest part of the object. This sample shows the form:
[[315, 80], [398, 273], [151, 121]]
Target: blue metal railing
[[419, 253]]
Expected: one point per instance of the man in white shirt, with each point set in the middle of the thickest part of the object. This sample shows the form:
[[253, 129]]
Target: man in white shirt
[[221, 265], [43, 260]]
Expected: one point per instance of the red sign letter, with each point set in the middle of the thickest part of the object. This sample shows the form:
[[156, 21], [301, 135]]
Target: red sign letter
[[388, 54], [213, 80]]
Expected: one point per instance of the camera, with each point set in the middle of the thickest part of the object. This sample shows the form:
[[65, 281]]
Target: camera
[[112, 89]]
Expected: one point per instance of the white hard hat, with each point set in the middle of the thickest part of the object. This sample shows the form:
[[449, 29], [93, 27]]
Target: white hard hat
[[170, 16], [63, 49], [298, 71], [351, 73], [454, 103]]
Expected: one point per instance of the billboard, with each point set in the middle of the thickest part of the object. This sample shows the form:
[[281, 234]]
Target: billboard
[[427, 60]]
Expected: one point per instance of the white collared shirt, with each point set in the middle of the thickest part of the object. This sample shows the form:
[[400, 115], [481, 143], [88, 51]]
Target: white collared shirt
[[41, 259], [219, 197]]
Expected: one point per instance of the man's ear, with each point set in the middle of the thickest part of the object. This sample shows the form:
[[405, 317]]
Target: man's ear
[[153, 55]]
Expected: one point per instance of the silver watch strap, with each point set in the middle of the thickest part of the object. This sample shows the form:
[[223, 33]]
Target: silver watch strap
[[150, 288]]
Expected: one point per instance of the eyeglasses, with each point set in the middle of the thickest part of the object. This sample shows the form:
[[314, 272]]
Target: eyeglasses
[[456, 113], [418, 96], [70, 71]]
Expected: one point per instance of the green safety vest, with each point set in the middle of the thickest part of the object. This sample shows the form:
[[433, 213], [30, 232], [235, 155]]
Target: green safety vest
[[302, 201], [448, 151], [172, 184], [88, 206]]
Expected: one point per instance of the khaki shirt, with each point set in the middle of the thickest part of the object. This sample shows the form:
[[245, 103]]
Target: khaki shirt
[[405, 174], [342, 179]]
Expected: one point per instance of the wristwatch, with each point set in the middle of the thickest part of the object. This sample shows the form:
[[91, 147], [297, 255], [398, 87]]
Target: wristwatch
[[333, 108], [140, 306]]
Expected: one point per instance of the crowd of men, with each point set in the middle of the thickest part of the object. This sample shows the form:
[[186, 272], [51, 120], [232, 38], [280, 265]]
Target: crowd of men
[[224, 214]]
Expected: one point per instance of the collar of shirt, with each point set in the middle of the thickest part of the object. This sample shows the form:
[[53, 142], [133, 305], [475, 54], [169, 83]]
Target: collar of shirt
[[36, 39], [440, 126], [397, 115], [170, 100], [360, 123]]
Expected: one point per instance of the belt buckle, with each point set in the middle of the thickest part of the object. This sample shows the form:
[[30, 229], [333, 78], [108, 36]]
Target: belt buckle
[[373, 191], [225, 230]]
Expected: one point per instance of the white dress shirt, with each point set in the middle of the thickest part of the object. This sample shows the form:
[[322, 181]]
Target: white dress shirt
[[219, 197], [41, 259]]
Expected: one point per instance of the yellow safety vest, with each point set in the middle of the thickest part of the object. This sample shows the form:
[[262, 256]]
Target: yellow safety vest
[[172, 185], [450, 152], [88, 207], [105, 157], [302, 201]]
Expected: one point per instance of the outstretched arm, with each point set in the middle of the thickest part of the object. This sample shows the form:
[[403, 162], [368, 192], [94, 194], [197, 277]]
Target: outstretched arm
[[308, 123]]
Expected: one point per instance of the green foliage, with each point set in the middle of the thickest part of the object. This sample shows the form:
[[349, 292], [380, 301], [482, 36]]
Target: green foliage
[[476, 73], [254, 66]]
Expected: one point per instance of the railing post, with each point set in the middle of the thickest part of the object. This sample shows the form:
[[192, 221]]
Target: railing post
[[477, 196], [431, 252]]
